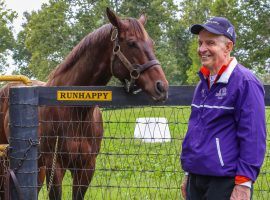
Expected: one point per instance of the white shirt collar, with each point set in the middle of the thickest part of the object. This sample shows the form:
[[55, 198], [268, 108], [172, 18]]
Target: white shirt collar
[[224, 78]]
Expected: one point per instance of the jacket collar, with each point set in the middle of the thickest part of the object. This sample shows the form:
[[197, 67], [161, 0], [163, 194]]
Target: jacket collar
[[224, 73], [225, 76]]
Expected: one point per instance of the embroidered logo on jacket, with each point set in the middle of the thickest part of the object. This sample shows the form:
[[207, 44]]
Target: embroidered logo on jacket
[[203, 93], [221, 93]]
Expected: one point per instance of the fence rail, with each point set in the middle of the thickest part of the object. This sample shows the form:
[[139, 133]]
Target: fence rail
[[178, 95]]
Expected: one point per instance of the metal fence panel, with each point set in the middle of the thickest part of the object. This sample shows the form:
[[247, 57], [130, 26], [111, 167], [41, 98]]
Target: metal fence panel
[[129, 166]]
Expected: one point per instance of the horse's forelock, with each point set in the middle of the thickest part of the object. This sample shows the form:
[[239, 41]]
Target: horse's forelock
[[137, 29]]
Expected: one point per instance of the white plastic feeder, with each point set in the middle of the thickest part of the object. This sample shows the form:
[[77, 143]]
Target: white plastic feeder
[[152, 129]]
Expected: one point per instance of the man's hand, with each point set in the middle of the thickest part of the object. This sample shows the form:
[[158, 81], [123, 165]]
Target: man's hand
[[184, 187], [240, 192]]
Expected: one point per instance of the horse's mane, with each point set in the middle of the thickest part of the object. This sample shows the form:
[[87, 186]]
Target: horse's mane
[[135, 28], [80, 48]]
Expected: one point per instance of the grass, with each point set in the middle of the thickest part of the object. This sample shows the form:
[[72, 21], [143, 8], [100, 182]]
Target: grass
[[128, 168]]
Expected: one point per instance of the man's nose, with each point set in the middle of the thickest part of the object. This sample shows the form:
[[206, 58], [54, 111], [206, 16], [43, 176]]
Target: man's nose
[[202, 48]]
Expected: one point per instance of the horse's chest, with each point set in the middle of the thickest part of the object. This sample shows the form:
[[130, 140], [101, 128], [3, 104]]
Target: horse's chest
[[77, 150]]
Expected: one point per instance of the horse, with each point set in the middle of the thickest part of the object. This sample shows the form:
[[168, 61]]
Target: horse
[[121, 48]]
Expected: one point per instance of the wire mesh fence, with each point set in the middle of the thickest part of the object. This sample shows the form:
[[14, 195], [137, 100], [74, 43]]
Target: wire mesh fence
[[4, 166], [136, 166], [127, 167], [138, 156]]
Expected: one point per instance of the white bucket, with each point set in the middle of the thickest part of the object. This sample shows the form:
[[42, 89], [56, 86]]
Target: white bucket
[[152, 129]]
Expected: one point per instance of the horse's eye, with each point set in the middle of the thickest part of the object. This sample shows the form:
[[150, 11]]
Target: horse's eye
[[131, 44]]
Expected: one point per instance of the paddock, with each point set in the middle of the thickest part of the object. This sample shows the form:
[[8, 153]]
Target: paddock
[[128, 167]]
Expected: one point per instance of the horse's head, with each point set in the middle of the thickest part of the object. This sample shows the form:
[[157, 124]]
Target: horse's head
[[134, 61]]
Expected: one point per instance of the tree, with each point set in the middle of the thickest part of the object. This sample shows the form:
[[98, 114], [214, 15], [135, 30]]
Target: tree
[[21, 55], [192, 77], [51, 33], [248, 17], [47, 38], [6, 37], [193, 12], [253, 34]]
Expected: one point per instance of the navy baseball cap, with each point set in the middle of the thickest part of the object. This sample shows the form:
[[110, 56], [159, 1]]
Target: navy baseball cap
[[216, 25]]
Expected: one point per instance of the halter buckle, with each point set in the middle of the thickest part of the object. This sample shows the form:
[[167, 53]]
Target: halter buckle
[[114, 34], [135, 73], [116, 49]]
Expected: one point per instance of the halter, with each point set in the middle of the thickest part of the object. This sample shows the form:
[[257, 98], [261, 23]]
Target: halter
[[135, 70]]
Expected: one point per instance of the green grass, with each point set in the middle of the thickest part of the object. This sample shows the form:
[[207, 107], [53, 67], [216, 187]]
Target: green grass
[[128, 168]]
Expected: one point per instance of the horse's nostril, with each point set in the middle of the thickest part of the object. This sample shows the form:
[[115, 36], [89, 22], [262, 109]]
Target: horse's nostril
[[159, 87]]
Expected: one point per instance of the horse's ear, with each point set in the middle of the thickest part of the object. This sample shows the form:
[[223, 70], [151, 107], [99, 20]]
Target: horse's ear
[[113, 18], [143, 19]]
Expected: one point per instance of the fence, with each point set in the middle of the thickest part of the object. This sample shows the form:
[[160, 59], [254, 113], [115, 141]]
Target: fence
[[127, 167]]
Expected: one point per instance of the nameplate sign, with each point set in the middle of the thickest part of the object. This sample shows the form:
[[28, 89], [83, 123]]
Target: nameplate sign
[[84, 95]]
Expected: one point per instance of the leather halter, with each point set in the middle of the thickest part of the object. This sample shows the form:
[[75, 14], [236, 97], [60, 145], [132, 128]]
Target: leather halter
[[135, 70]]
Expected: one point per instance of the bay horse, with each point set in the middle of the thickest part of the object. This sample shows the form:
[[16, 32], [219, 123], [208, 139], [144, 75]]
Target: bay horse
[[122, 49]]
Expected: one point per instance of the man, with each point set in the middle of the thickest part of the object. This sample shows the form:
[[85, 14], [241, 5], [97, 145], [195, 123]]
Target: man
[[224, 147]]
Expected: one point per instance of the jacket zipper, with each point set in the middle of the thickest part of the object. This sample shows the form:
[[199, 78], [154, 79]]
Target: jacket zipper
[[219, 152]]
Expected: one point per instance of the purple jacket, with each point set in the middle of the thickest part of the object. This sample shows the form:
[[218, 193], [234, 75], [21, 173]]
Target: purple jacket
[[227, 130]]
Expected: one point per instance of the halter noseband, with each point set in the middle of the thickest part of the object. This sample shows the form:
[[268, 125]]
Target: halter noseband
[[135, 70]]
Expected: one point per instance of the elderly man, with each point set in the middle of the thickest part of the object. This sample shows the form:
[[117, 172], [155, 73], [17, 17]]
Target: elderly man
[[225, 143]]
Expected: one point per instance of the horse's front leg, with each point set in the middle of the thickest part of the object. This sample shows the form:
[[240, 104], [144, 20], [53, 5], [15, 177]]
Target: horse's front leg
[[89, 148], [81, 181], [85, 168], [54, 183], [41, 177]]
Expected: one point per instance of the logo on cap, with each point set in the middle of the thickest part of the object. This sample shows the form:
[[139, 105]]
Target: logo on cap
[[230, 31], [212, 22]]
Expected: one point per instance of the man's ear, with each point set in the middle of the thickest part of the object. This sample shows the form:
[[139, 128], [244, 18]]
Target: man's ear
[[229, 46]]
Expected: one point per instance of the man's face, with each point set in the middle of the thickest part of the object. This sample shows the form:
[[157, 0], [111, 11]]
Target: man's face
[[212, 49]]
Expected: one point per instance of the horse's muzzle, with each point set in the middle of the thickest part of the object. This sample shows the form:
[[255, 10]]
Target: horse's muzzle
[[161, 91]]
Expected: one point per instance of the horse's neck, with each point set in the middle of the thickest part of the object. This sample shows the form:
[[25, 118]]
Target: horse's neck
[[92, 68]]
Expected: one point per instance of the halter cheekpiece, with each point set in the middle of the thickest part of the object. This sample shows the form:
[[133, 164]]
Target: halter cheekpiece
[[135, 70]]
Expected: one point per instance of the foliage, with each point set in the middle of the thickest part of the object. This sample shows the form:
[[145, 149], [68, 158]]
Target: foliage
[[253, 34], [47, 33], [194, 68], [21, 55], [252, 49], [178, 49], [50, 33], [6, 37]]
